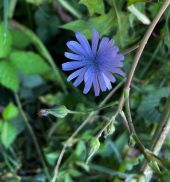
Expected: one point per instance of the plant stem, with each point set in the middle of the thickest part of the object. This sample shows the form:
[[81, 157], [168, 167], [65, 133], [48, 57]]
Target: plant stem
[[130, 123], [91, 115], [32, 135], [159, 138], [43, 51]]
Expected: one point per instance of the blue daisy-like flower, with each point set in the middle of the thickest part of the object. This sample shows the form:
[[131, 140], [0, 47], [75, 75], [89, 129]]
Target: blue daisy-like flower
[[95, 64]]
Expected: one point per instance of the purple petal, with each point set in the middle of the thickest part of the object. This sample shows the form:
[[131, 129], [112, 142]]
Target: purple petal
[[95, 40], [96, 86], [89, 73], [116, 49], [102, 83], [88, 85], [107, 82], [109, 76], [78, 80], [84, 43], [76, 73], [119, 57], [118, 71], [72, 65], [103, 44], [72, 56], [111, 43], [75, 47]]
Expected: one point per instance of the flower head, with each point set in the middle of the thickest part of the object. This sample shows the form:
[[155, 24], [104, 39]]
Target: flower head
[[95, 64]]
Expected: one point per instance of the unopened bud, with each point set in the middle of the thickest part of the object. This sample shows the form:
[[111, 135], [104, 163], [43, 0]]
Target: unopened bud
[[109, 130], [94, 145], [59, 112]]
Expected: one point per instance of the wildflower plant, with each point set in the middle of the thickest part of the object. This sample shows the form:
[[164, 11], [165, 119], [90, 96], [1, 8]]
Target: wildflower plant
[[95, 64]]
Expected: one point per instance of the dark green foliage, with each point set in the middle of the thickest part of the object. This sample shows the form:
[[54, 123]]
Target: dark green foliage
[[32, 46]]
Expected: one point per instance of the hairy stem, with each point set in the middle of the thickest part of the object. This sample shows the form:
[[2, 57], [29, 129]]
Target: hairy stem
[[32, 135]]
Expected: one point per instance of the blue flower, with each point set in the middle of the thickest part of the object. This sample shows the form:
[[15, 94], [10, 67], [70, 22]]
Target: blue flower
[[95, 64]]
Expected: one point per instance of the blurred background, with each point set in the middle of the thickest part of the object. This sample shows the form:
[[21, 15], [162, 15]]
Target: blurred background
[[33, 36]]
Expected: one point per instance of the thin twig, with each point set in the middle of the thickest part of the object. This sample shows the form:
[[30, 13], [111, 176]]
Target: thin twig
[[32, 135], [91, 115]]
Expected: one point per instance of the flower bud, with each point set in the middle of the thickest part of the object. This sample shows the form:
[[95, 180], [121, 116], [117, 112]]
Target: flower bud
[[109, 130], [94, 145], [59, 112]]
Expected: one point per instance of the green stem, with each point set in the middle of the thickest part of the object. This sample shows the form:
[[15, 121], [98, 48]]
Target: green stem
[[130, 123], [43, 51], [32, 135]]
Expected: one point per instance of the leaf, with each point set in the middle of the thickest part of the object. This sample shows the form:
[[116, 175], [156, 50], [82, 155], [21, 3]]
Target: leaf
[[51, 158], [122, 36], [8, 76], [140, 16], [20, 39], [147, 108], [10, 112], [47, 23], [103, 24], [135, 1], [68, 178], [37, 2], [8, 134], [94, 6], [5, 41], [29, 63]]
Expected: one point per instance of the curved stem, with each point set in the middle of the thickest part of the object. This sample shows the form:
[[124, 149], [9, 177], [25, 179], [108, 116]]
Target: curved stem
[[32, 135]]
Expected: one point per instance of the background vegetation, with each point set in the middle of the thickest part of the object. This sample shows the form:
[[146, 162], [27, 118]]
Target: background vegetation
[[33, 36]]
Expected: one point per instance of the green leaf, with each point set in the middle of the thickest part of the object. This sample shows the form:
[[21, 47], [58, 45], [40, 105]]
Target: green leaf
[[5, 41], [103, 24], [51, 158], [8, 76], [20, 39], [44, 19], [10, 112], [94, 6], [68, 178], [8, 134], [28, 63], [37, 2], [135, 1], [147, 108]]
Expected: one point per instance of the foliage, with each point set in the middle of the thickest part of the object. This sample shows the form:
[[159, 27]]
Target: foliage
[[39, 111]]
